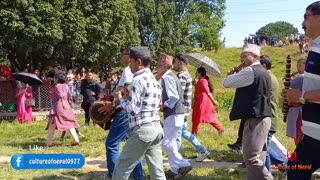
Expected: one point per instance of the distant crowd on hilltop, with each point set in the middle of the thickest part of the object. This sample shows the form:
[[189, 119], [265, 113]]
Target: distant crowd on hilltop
[[304, 43]]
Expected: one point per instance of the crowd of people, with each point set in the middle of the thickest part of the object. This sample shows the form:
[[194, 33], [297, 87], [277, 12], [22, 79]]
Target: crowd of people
[[303, 43]]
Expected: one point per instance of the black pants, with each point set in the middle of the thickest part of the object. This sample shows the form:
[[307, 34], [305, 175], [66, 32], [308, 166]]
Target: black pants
[[86, 107], [240, 132], [305, 160]]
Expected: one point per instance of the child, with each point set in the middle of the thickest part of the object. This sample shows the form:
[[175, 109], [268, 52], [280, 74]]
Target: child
[[294, 120]]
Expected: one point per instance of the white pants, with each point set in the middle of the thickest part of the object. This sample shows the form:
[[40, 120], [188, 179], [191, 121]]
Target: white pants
[[51, 130], [171, 126]]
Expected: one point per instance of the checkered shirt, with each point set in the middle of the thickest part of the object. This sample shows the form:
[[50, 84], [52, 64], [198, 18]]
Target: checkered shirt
[[186, 84], [143, 103]]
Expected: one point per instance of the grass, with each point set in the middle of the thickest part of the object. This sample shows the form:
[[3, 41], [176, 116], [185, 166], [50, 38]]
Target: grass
[[16, 138]]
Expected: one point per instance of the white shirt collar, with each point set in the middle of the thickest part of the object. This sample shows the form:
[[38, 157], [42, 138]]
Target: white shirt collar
[[166, 73]]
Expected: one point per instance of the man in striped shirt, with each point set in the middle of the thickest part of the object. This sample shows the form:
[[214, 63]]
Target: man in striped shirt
[[143, 105], [180, 65], [306, 158]]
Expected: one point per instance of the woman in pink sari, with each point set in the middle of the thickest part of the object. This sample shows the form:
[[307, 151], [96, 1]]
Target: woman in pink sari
[[61, 116], [24, 93]]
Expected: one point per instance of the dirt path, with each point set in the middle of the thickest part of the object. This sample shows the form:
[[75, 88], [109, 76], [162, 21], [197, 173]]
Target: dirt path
[[99, 164]]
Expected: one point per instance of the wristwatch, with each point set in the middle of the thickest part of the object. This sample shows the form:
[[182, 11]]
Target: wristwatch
[[302, 100]]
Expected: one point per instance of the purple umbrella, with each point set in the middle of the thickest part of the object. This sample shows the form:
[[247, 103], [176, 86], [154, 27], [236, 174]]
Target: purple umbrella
[[29, 78]]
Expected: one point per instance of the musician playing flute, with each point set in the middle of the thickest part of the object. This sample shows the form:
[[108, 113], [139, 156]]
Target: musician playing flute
[[252, 103], [308, 150]]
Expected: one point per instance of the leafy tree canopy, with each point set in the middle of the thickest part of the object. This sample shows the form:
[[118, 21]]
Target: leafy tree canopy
[[278, 30], [92, 33]]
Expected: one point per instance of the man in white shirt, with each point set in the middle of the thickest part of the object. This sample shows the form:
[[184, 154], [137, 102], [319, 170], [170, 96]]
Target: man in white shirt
[[126, 75], [173, 112]]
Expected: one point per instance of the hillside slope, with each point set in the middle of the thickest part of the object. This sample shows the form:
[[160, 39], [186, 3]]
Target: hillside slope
[[230, 57]]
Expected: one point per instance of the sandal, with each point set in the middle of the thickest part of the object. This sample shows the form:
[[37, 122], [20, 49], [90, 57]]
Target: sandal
[[47, 145], [75, 144]]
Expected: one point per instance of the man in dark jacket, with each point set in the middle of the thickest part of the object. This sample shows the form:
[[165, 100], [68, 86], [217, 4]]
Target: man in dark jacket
[[90, 89]]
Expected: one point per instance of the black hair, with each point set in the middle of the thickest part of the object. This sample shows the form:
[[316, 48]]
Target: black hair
[[88, 71], [314, 8], [265, 60], [202, 71], [146, 60], [61, 77], [182, 58], [126, 49]]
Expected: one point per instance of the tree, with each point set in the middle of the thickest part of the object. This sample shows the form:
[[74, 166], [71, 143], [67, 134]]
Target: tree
[[92, 33], [179, 25], [85, 32], [278, 30]]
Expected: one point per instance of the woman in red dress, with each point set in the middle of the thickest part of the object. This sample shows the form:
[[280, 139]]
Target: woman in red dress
[[203, 111]]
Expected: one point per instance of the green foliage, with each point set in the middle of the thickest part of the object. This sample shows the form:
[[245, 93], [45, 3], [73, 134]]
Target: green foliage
[[278, 30], [225, 100], [93, 33]]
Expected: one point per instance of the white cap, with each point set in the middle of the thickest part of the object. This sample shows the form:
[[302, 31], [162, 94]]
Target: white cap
[[251, 48]]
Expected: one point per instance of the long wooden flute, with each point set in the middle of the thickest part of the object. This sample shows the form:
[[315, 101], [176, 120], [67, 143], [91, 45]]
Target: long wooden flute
[[285, 106]]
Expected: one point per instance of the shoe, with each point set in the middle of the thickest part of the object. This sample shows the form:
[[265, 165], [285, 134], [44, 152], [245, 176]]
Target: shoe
[[202, 156], [235, 147], [182, 172], [47, 145], [75, 144], [243, 165]]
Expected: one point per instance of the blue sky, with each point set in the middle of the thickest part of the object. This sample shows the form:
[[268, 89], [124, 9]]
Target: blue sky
[[247, 17]]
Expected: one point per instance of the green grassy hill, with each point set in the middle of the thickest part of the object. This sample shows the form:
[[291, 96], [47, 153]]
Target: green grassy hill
[[228, 58]]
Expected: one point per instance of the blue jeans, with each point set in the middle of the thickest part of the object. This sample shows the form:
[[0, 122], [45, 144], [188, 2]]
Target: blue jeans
[[183, 132], [117, 133], [268, 159]]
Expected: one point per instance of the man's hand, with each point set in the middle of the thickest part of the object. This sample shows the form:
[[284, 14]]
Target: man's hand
[[291, 95], [162, 106], [117, 95], [108, 106], [92, 93]]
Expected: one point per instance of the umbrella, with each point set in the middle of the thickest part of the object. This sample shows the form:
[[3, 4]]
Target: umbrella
[[29, 78], [200, 60]]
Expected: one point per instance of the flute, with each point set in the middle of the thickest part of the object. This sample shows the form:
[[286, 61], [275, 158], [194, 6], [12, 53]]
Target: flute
[[236, 69], [285, 106]]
